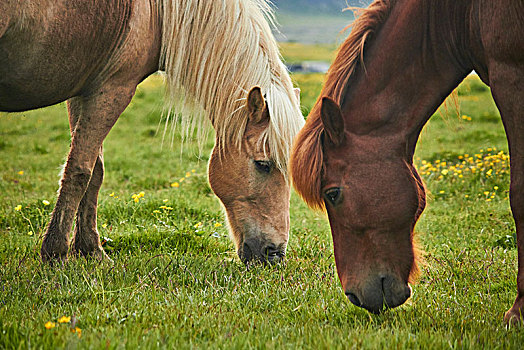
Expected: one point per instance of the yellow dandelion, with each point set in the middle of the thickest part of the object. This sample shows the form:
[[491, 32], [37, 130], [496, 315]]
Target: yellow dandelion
[[30, 233], [21, 172], [496, 188], [112, 194], [174, 184], [141, 194], [77, 330], [156, 211], [64, 319], [441, 192], [193, 171], [104, 225], [50, 325], [18, 207], [45, 202], [445, 172], [218, 224], [136, 199], [165, 200], [198, 224], [188, 174], [486, 193], [182, 179]]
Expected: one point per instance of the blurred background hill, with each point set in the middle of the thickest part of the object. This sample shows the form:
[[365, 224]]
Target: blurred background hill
[[314, 21]]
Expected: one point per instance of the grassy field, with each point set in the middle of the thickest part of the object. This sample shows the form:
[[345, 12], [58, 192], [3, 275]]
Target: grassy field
[[176, 281]]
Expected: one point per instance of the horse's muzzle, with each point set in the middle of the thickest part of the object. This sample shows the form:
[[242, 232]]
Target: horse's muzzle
[[254, 250], [380, 293]]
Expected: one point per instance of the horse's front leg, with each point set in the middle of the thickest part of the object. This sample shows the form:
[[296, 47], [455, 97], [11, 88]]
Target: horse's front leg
[[86, 240], [516, 313], [506, 81], [97, 114]]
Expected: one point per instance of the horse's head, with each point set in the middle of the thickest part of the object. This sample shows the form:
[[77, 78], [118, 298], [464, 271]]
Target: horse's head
[[254, 191], [372, 196]]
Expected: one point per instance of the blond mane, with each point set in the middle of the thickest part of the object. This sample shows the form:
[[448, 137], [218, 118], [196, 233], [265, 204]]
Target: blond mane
[[307, 159], [213, 53]]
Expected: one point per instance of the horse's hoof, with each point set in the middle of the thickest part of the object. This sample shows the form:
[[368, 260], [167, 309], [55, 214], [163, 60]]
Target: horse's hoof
[[513, 318], [97, 253], [102, 256], [53, 251]]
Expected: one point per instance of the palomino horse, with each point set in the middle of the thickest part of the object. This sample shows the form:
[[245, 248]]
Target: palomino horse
[[354, 157], [94, 53]]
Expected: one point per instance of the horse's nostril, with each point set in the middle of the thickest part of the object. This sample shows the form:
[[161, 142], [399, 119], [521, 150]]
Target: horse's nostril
[[270, 251], [353, 298]]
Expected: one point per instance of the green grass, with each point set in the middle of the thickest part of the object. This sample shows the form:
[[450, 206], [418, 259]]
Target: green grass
[[175, 285]]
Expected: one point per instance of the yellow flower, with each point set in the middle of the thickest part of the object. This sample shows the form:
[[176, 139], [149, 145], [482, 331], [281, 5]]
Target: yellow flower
[[165, 200], [193, 170], [198, 224], [77, 330], [64, 319], [112, 194], [18, 207], [141, 194], [156, 211], [136, 199], [218, 224], [30, 233], [45, 202], [21, 172], [104, 225], [486, 193], [496, 188], [174, 184], [442, 192], [50, 325], [188, 174]]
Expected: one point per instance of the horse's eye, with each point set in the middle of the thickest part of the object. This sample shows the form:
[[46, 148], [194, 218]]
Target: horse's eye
[[264, 166], [333, 195]]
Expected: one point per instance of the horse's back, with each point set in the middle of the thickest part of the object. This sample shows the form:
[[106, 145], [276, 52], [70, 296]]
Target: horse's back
[[52, 50]]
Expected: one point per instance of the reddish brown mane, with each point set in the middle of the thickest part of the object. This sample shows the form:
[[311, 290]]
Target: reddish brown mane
[[306, 158]]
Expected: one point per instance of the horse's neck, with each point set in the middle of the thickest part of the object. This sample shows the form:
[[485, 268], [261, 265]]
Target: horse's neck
[[411, 66]]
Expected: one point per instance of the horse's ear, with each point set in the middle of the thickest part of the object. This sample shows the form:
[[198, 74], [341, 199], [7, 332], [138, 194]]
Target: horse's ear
[[256, 105], [331, 117], [297, 95]]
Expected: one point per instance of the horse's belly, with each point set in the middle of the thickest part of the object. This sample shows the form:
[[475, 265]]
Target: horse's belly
[[31, 88], [57, 53], [34, 75]]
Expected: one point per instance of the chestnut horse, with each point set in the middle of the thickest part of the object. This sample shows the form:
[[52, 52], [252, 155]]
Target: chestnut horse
[[354, 157], [94, 53]]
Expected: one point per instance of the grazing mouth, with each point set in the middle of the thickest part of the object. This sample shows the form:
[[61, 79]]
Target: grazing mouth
[[269, 254]]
